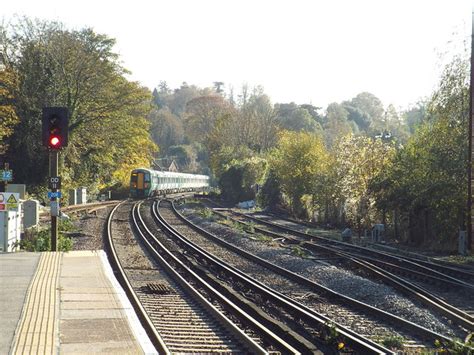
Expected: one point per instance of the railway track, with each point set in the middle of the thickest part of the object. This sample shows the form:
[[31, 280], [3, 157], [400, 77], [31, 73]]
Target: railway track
[[313, 326], [452, 275], [177, 318], [366, 318], [423, 289], [442, 266], [89, 207]]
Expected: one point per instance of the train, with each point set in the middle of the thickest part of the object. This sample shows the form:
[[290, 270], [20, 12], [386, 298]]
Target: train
[[146, 182]]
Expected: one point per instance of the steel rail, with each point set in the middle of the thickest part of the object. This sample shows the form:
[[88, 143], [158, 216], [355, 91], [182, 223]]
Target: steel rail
[[367, 263], [416, 329], [307, 236], [244, 338], [114, 261], [386, 265], [352, 338], [442, 266], [433, 302]]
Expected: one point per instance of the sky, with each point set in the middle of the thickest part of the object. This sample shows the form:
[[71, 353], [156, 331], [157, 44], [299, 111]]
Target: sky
[[302, 51]]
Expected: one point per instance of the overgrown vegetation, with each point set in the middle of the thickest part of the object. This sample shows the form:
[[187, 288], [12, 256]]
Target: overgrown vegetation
[[299, 252], [456, 346], [206, 213], [41, 240], [393, 342]]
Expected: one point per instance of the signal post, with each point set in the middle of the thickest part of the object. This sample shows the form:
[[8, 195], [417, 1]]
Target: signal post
[[55, 122]]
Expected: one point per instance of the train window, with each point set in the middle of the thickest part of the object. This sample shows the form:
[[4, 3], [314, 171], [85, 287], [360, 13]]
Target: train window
[[147, 177]]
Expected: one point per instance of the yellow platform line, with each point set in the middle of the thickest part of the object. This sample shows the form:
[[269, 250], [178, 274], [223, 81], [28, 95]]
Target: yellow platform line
[[36, 332]]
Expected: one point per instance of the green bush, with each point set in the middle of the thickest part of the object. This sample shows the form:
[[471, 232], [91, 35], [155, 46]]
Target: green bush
[[41, 240], [237, 183]]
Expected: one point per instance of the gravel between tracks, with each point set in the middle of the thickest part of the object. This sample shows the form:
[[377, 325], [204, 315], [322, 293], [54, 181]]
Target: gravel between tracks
[[90, 228], [339, 280]]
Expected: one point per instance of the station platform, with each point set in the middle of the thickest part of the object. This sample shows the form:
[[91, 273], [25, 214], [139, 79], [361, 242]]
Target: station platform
[[65, 303]]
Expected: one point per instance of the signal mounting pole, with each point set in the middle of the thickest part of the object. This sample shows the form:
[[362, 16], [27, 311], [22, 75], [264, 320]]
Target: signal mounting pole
[[54, 172], [55, 122]]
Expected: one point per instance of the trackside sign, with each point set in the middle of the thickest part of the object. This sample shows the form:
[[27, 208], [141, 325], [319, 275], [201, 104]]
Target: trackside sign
[[9, 201]]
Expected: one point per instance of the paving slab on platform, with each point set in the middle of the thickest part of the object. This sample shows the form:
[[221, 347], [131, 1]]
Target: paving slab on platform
[[16, 273], [67, 303], [93, 309]]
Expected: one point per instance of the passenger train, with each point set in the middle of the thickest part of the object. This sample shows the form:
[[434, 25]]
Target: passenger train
[[146, 182]]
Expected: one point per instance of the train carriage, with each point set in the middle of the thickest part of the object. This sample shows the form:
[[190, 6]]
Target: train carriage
[[147, 182]]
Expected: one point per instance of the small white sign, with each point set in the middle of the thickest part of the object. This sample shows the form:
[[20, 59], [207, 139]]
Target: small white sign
[[54, 208]]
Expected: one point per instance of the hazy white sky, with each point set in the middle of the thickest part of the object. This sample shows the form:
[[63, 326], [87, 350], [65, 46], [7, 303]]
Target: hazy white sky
[[298, 50]]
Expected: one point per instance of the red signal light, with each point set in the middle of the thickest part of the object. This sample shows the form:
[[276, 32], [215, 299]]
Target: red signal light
[[54, 142]]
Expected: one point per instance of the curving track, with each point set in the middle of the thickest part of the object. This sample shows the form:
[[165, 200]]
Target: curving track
[[177, 318], [369, 321], [307, 322], [417, 332], [428, 286]]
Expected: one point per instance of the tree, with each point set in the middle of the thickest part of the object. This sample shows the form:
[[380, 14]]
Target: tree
[[336, 123], [8, 116], [292, 117], [161, 97], [313, 111], [178, 101], [79, 70], [238, 182], [426, 186], [166, 129], [257, 123], [394, 126], [359, 160], [185, 156], [366, 110], [415, 117], [297, 161], [269, 195], [218, 86], [202, 114]]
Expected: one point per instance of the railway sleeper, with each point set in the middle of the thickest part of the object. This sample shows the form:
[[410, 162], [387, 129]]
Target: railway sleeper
[[255, 311]]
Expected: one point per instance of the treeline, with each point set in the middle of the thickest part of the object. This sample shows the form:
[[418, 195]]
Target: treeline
[[45, 64], [353, 163]]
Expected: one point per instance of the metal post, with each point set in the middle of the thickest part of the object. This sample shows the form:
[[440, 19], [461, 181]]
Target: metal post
[[469, 170], [4, 184], [54, 171]]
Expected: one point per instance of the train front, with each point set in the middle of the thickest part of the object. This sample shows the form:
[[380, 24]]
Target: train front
[[140, 183]]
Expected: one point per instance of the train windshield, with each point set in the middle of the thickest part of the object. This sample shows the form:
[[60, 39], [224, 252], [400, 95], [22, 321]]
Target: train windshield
[[140, 180]]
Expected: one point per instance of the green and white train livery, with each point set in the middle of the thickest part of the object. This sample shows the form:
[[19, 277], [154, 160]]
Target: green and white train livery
[[146, 182]]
